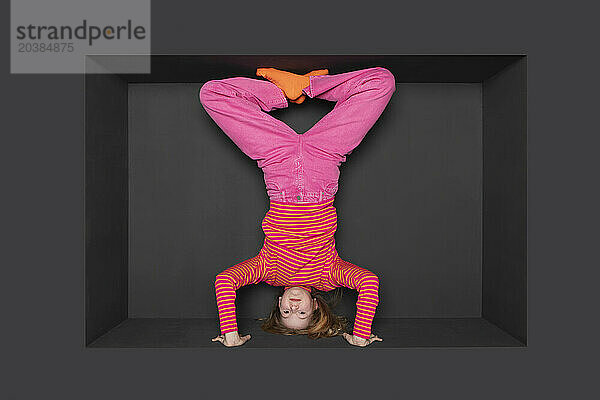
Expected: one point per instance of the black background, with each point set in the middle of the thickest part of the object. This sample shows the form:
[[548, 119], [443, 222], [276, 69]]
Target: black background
[[42, 204]]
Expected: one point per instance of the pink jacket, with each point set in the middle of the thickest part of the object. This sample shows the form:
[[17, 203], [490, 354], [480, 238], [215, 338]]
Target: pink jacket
[[299, 167]]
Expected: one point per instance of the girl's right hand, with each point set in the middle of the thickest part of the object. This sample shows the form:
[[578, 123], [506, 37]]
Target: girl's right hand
[[232, 339], [361, 342]]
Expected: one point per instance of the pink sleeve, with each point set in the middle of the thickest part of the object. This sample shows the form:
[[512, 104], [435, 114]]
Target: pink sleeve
[[344, 273], [227, 282]]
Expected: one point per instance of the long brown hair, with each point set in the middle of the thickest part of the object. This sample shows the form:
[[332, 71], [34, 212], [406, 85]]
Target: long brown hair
[[323, 322]]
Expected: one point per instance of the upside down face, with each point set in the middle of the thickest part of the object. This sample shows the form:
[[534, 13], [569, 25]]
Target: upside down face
[[296, 307]]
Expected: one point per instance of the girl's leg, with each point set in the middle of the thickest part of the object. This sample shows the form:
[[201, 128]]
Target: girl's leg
[[360, 96], [238, 106]]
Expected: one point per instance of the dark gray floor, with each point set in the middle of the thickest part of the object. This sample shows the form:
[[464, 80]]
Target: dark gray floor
[[396, 333]]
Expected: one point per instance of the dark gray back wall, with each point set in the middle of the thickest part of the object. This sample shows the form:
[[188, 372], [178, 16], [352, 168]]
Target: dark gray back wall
[[197, 202]]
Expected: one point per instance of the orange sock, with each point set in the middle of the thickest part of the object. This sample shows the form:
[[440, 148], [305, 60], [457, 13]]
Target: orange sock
[[311, 73], [291, 84]]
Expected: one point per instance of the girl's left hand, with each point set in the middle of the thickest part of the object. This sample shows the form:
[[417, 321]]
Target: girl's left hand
[[358, 341]]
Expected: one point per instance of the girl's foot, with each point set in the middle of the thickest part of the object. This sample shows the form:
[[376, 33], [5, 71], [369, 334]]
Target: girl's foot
[[311, 73], [291, 84]]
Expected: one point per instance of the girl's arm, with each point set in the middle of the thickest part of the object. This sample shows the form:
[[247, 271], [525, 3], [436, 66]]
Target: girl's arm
[[227, 282], [344, 273]]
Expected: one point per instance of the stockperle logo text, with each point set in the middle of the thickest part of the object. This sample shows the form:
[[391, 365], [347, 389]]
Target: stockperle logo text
[[85, 31]]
